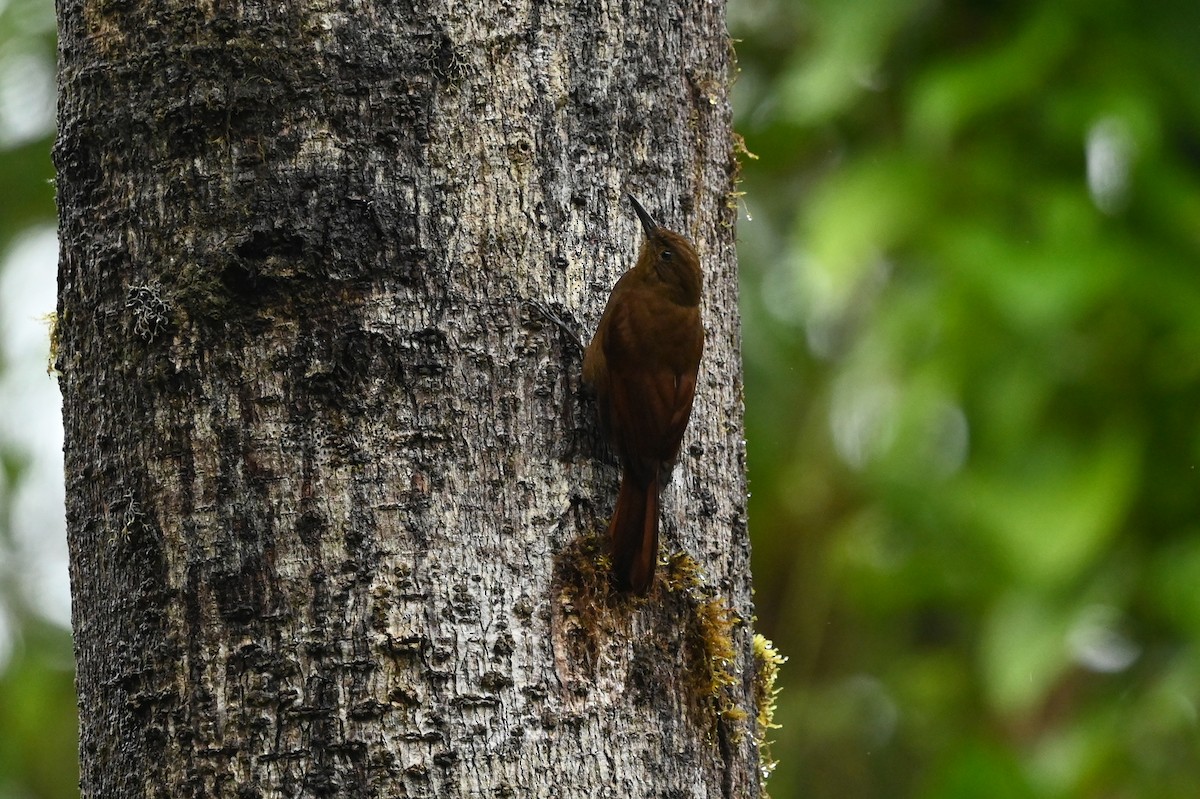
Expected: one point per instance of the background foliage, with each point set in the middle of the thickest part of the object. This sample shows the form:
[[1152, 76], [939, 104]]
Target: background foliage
[[972, 345], [37, 695], [972, 308]]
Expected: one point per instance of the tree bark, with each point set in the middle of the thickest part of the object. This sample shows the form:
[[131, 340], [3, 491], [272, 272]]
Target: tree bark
[[332, 485]]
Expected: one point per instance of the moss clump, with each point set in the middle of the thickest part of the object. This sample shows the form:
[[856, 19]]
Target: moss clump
[[707, 632], [51, 320], [767, 661], [733, 197], [586, 599], [687, 620]]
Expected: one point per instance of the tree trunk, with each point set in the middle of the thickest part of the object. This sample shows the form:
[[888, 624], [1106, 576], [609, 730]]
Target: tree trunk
[[333, 488]]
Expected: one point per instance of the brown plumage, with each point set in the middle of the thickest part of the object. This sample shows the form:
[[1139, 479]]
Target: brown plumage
[[642, 364]]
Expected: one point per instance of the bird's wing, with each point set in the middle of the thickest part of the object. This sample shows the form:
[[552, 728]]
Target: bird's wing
[[647, 403]]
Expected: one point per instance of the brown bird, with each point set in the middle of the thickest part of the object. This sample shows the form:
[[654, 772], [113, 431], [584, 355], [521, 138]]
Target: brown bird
[[642, 365]]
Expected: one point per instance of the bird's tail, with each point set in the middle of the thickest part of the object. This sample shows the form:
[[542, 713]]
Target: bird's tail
[[633, 534]]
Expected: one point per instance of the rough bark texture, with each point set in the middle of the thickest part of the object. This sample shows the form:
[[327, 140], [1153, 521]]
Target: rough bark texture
[[327, 474]]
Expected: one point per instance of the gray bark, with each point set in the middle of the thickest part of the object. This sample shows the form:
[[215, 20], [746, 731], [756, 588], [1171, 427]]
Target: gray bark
[[329, 480]]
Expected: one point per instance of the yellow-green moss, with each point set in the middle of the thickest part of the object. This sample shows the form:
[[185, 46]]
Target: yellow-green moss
[[685, 610], [585, 597], [767, 661], [51, 320], [733, 197], [707, 632]]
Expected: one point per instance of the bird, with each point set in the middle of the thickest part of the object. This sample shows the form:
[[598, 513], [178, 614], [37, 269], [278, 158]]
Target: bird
[[642, 364]]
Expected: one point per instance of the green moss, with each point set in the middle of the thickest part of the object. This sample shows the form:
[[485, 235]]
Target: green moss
[[706, 627], [52, 330], [689, 620], [586, 600], [767, 661], [733, 197]]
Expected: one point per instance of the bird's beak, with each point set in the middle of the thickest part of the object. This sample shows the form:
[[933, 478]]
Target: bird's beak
[[648, 223]]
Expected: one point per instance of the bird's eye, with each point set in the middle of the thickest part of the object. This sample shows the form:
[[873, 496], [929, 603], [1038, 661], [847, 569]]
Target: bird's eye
[[666, 255]]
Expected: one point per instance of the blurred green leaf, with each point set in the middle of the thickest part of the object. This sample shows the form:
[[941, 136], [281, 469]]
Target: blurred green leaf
[[964, 90], [1023, 652], [977, 770], [38, 748], [1176, 590], [1051, 520], [844, 57], [855, 220]]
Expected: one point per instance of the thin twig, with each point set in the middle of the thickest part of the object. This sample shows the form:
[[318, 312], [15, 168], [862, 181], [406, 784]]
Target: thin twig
[[545, 311]]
